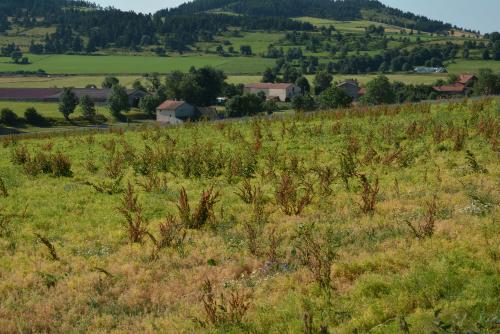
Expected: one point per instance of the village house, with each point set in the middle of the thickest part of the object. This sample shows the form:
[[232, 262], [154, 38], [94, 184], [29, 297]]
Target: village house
[[177, 112], [462, 87], [351, 88], [54, 94], [274, 91]]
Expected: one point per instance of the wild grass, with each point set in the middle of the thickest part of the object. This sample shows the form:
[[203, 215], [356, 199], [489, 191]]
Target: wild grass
[[289, 234]]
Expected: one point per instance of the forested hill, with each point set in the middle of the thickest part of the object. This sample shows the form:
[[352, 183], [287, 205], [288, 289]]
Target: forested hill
[[83, 27], [343, 10]]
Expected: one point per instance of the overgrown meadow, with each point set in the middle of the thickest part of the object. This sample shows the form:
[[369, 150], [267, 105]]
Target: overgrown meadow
[[379, 220]]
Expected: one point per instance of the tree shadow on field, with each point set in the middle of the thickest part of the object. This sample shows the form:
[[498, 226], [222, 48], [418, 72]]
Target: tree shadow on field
[[8, 131]]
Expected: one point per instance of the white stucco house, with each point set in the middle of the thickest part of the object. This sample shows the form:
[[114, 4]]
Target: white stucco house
[[274, 91], [175, 112]]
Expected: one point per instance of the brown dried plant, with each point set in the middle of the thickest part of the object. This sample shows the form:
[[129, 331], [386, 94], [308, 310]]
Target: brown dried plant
[[131, 209], [369, 194], [425, 229], [3, 189], [50, 247], [229, 309], [171, 235], [293, 197], [204, 211], [247, 192]]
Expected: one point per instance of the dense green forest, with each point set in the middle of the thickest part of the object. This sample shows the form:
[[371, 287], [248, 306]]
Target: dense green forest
[[337, 10]]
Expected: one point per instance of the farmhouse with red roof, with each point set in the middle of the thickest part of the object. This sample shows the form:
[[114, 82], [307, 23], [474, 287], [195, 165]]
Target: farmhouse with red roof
[[462, 86]]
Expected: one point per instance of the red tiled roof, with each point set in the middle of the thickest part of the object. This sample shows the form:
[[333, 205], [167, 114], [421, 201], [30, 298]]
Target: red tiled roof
[[269, 85], [465, 78], [453, 88], [170, 105]]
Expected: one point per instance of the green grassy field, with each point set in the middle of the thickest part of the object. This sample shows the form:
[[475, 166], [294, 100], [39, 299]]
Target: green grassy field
[[46, 109], [473, 66], [67, 64], [313, 240]]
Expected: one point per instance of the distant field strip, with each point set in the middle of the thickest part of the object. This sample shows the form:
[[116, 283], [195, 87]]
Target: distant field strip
[[69, 64]]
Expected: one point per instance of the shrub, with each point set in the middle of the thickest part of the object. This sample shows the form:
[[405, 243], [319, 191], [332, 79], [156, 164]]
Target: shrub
[[202, 214], [368, 194], [425, 229], [115, 165], [87, 107], [317, 252], [326, 177], [50, 247], [254, 226], [171, 234], [32, 116], [20, 155], [8, 117], [225, 310], [474, 166], [131, 210], [293, 197], [3, 189], [60, 165], [247, 192], [5, 223], [153, 182], [347, 168]]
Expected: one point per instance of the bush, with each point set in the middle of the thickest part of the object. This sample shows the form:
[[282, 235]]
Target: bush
[[8, 117], [333, 98], [244, 105], [303, 103], [32, 116]]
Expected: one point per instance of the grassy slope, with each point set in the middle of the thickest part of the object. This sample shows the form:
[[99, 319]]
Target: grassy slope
[[259, 41], [382, 271]]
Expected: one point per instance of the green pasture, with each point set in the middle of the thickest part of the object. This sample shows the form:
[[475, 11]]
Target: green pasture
[[77, 64], [46, 109], [473, 66]]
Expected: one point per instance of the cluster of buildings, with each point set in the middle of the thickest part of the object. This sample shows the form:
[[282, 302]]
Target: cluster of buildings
[[175, 112]]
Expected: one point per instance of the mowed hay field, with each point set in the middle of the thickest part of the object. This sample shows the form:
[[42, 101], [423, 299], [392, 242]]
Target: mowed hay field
[[68, 64], [365, 220]]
